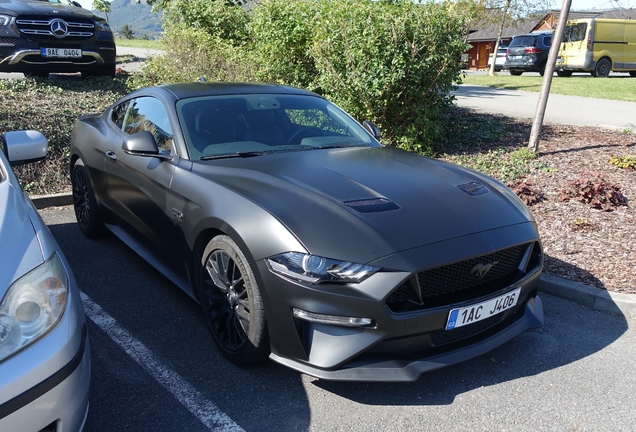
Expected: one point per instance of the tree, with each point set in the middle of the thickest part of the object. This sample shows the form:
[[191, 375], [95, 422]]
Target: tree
[[102, 6], [127, 32]]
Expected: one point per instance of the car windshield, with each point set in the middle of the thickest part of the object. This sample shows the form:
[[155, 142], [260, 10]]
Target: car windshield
[[250, 125]]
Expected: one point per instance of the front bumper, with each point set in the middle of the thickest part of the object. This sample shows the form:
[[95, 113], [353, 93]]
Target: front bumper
[[409, 369], [46, 385], [403, 342]]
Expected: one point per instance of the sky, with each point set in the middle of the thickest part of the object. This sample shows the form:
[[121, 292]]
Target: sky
[[556, 4]]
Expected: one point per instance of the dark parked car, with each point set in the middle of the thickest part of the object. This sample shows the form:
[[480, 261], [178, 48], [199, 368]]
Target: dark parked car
[[39, 37], [45, 364], [303, 238], [528, 53]]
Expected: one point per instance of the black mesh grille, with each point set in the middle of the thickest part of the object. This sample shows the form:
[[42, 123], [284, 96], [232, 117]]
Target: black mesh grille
[[9, 40], [464, 280], [472, 273]]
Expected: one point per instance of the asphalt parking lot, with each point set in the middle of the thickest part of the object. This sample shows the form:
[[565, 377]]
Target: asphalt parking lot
[[155, 367]]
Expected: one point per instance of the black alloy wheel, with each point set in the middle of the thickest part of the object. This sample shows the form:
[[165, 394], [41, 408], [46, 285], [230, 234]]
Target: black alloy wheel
[[232, 303], [87, 214]]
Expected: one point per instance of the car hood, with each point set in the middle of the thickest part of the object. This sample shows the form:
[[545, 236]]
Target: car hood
[[20, 7], [21, 251], [362, 204]]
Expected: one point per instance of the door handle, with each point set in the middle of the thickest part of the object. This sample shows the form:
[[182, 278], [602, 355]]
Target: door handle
[[111, 154]]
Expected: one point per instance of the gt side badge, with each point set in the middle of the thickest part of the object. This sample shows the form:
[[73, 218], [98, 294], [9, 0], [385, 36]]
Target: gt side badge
[[177, 214]]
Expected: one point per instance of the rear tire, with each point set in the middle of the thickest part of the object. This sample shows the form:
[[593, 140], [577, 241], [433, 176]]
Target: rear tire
[[232, 303], [632, 73], [603, 68], [87, 213]]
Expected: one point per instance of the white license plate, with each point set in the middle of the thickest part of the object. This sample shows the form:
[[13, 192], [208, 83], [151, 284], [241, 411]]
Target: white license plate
[[516, 57], [470, 314], [62, 52]]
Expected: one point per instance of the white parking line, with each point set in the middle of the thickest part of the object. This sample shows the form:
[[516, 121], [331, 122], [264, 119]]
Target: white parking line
[[183, 391]]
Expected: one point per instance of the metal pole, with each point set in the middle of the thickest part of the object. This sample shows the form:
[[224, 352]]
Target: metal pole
[[547, 77]]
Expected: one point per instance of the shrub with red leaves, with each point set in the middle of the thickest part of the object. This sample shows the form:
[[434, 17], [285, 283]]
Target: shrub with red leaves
[[523, 189], [593, 189]]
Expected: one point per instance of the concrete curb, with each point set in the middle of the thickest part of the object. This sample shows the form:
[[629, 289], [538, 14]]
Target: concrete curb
[[55, 200], [591, 297]]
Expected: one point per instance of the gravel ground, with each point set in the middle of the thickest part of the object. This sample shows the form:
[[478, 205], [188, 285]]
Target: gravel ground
[[583, 244]]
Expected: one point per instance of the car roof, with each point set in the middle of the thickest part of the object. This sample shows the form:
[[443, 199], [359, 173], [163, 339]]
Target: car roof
[[197, 89]]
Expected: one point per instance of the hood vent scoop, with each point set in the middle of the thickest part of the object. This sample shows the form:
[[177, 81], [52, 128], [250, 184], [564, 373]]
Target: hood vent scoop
[[372, 205], [473, 188]]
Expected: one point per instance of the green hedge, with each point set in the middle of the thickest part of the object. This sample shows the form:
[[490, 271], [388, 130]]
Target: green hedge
[[392, 62]]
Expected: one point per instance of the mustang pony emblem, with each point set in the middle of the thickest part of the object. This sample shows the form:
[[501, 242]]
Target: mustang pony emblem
[[480, 270]]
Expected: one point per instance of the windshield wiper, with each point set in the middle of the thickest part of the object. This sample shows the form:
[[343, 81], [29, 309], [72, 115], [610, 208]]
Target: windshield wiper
[[244, 154], [339, 145]]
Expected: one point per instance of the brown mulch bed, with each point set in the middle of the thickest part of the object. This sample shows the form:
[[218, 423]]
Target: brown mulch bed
[[583, 244]]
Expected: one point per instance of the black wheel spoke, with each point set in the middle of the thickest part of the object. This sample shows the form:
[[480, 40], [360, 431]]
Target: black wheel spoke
[[226, 300]]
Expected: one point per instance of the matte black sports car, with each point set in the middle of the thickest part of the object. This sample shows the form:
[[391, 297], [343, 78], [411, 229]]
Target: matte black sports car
[[302, 237]]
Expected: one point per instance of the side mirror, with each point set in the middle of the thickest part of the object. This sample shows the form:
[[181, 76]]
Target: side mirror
[[22, 147], [76, 3], [372, 129], [143, 144]]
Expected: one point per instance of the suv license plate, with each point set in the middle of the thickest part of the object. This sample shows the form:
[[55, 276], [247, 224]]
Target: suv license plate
[[61, 52], [470, 314]]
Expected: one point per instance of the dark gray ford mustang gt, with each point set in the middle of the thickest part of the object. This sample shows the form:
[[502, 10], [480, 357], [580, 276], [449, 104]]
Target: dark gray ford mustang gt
[[302, 237]]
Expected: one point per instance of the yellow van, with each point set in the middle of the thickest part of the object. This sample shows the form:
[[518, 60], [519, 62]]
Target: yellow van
[[598, 45]]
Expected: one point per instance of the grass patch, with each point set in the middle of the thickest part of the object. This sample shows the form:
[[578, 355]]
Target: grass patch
[[140, 43], [614, 88]]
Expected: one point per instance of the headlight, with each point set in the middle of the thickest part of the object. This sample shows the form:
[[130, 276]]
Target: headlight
[[4, 20], [315, 269], [102, 26], [32, 306]]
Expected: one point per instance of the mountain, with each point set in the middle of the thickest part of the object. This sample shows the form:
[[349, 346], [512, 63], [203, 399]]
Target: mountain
[[138, 16]]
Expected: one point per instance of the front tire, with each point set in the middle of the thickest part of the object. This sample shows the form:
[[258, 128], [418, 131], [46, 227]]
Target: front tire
[[603, 68], [87, 213], [232, 304]]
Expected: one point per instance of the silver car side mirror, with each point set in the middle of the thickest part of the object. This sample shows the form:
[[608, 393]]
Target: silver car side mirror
[[24, 146]]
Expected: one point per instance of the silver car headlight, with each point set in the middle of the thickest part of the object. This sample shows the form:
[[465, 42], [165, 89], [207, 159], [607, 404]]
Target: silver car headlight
[[5, 20], [32, 306], [315, 269]]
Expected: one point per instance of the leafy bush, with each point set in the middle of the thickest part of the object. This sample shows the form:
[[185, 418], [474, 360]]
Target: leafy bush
[[524, 190], [393, 62], [59, 103], [193, 54], [627, 162], [282, 33], [593, 189]]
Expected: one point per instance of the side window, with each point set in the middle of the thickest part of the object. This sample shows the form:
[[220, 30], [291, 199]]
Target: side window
[[148, 114], [119, 113], [547, 41]]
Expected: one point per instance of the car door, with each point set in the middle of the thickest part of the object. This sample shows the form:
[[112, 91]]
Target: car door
[[139, 186]]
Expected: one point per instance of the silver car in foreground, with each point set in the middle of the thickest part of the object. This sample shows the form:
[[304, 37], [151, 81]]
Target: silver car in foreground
[[44, 349]]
